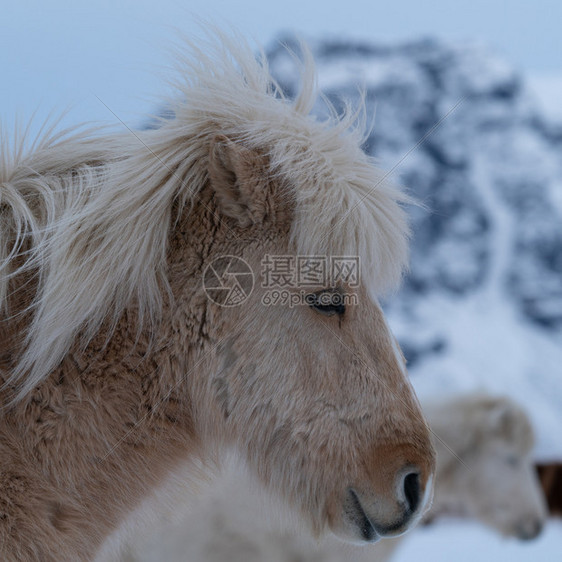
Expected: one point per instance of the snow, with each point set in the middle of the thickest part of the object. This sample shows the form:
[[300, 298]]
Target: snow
[[548, 89], [465, 542], [490, 348]]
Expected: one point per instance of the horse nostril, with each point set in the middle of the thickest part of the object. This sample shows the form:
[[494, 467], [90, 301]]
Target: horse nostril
[[412, 490]]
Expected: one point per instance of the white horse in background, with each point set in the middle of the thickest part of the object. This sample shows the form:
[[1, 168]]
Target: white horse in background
[[484, 472], [498, 486]]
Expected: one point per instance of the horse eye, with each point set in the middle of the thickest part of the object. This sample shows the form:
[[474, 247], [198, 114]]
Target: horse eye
[[327, 303]]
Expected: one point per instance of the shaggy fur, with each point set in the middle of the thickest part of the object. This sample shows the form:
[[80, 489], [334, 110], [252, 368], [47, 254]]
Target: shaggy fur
[[496, 485], [93, 212], [117, 368]]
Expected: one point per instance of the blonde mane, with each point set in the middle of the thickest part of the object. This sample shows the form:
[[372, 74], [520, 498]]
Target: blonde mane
[[91, 211]]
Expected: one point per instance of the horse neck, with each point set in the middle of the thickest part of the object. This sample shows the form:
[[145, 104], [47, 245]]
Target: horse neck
[[115, 418]]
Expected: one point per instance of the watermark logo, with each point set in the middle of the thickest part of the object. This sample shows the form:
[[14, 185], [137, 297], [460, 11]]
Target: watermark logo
[[287, 279], [285, 297], [301, 272], [228, 281]]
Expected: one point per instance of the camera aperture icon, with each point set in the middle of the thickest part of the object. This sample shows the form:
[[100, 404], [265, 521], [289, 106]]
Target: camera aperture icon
[[228, 281]]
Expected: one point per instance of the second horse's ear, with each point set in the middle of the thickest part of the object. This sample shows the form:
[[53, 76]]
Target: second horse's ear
[[239, 177]]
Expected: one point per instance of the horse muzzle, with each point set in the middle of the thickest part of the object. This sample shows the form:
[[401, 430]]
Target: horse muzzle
[[368, 517]]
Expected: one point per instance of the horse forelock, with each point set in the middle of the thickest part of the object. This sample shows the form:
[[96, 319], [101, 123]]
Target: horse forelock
[[99, 238], [328, 173]]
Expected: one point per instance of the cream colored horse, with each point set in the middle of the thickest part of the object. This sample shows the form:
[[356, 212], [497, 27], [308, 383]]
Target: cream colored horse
[[484, 472], [119, 358], [498, 484]]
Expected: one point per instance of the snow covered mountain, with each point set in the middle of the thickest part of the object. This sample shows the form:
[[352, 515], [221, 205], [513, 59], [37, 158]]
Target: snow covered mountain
[[482, 304]]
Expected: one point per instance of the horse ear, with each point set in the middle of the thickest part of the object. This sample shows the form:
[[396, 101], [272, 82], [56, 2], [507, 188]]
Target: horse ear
[[239, 177]]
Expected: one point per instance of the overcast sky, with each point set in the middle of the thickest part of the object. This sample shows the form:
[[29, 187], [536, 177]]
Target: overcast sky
[[60, 52]]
